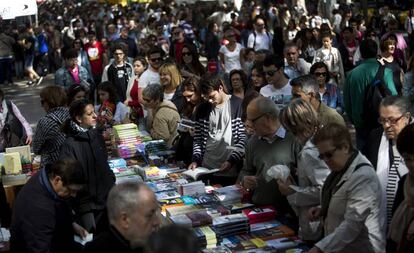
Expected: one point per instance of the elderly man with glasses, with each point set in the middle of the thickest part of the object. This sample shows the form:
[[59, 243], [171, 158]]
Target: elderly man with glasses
[[271, 145]]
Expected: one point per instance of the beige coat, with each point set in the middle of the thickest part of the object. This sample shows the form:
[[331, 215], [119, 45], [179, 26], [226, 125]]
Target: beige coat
[[165, 122]]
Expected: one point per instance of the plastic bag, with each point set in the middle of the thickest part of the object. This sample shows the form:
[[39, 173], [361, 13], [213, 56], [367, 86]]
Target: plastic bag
[[279, 171]]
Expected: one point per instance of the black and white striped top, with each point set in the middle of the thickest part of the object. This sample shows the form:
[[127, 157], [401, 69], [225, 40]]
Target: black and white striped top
[[392, 183]]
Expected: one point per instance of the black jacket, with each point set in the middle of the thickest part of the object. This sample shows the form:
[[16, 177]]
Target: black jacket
[[110, 241], [42, 222], [89, 149]]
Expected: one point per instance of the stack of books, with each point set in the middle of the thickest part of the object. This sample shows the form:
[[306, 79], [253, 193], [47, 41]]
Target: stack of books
[[192, 188], [232, 224], [229, 195], [193, 219], [206, 237], [126, 140]]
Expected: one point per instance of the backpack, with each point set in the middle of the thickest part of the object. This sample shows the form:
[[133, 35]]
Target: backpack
[[268, 36], [374, 93]]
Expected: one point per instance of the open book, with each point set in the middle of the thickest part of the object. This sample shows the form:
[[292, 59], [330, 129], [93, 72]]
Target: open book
[[199, 171]]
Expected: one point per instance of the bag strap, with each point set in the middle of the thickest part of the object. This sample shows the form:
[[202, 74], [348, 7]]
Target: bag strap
[[356, 168]]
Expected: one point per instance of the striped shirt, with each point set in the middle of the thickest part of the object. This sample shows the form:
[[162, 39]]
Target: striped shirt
[[393, 178]]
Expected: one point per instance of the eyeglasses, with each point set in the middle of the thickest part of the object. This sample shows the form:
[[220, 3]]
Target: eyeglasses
[[390, 121], [260, 25], [187, 54], [327, 155], [118, 53], [146, 100], [320, 74], [258, 117], [271, 72]]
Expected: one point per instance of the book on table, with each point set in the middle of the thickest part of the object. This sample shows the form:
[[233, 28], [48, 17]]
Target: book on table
[[199, 171]]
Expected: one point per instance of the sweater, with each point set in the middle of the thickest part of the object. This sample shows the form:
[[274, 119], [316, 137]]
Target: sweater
[[202, 120], [260, 156]]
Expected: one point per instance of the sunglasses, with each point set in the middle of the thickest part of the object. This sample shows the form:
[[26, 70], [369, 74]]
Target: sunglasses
[[327, 155], [186, 54], [320, 73], [156, 59]]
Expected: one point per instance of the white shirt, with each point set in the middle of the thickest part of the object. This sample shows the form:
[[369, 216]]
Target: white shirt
[[281, 96], [149, 77], [263, 41], [231, 58]]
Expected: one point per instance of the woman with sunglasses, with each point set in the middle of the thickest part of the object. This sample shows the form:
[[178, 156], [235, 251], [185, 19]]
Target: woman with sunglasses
[[301, 119], [351, 196], [231, 53], [190, 64], [330, 93]]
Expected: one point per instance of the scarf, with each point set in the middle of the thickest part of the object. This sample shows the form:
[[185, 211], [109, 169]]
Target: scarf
[[330, 186], [402, 223], [77, 128]]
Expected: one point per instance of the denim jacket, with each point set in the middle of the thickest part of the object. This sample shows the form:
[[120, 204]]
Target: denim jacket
[[333, 97]]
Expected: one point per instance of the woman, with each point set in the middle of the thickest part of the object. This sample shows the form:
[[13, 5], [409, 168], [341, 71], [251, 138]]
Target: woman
[[330, 93], [238, 81], [76, 92], [231, 53], [171, 79], [85, 144], [14, 128], [134, 92], [382, 152], [212, 43], [351, 196], [301, 119], [258, 77], [192, 95], [388, 48], [191, 64], [332, 58], [308, 42], [291, 30], [164, 116], [83, 59], [402, 224], [48, 137], [111, 110]]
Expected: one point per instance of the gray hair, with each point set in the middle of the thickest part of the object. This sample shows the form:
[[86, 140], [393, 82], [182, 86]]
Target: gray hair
[[123, 197], [402, 103], [307, 83], [266, 105], [154, 92]]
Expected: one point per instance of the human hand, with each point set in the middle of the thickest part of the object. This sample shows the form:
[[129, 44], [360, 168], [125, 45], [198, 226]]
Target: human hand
[[250, 182], [314, 213], [225, 166], [192, 166], [109, 116], [315, 250], [29, 140], [126, 102], [79, 230], [284, 187]]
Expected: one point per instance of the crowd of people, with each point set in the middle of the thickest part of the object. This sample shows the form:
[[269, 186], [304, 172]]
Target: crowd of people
[[321, 93]]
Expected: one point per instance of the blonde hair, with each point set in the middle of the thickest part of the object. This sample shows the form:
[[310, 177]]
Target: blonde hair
[[300, 118], [172, 70]]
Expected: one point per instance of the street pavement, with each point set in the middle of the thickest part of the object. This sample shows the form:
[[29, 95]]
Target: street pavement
[[27, 98]]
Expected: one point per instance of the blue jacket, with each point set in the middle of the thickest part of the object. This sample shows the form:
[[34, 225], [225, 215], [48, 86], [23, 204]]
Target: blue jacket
[[64, 78]]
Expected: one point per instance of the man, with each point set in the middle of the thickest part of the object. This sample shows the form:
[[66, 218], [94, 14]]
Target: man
[[124, 38], [271, 145], [178, 41], [27, 42], [119, 71], [295, 66], [72, 73], [356, 83], [307, 88], [133, 213], [219, 139], [151, 75], [260, 38], [278, 88], [42, 219]]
